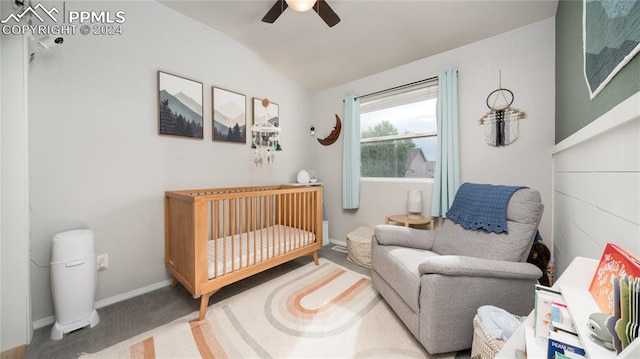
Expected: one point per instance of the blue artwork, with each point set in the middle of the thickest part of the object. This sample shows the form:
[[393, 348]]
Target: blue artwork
[[611, 31]]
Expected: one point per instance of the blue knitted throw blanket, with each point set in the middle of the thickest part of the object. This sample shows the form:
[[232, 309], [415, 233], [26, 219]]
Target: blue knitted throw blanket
[[483, 206]]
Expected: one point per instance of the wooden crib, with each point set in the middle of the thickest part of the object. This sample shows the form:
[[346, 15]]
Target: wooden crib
[[215, 237]]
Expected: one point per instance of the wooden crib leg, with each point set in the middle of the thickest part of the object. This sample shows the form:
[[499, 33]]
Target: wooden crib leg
[[204, 303], [315, 258], [174, 283]]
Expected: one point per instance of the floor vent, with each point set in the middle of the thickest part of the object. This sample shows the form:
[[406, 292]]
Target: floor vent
[[339, 248]]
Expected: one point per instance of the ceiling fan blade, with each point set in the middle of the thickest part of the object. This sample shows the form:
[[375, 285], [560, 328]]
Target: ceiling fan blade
[[274, 13], [326, 13]]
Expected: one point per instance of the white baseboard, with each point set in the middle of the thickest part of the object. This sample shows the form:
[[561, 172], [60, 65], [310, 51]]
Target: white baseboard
[[40, 323], [133, 293], [108, 301], [337, 241]]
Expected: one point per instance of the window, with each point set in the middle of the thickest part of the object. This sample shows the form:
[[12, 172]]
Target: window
[[398, 134]]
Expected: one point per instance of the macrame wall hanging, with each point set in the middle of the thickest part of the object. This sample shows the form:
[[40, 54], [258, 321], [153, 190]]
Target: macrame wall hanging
[[501, 123]]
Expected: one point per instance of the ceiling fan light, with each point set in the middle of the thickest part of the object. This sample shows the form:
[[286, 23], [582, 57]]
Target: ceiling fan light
[[301, 5]]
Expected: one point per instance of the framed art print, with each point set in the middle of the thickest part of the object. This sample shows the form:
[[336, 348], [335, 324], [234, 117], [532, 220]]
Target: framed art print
[[269, 114], [179, 106], [610, 39], [229, 115]]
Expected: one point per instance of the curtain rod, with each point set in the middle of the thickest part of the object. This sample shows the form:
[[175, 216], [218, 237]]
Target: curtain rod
[[430, 79]]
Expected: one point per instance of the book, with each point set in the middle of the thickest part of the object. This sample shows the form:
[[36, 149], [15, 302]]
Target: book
[[520, 354], [545, 297], [563, 328], [563, 343], [568, 355], [615, 262], [560, 314]]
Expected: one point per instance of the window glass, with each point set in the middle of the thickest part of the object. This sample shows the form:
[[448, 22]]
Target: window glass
[[398, 134]]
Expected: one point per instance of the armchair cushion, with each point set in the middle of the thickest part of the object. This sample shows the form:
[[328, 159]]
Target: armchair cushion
[[390, 235], [523, 217], [401, 268], [478, 267]]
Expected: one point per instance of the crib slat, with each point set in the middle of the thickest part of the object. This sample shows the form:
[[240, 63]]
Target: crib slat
[[225, 233], [216, 229], [240, 229], [290, 223], [232, 232], [296, 220], [268, 227], [255, 227], [304, 215], [280, 241], [248, 227], [261, 231]]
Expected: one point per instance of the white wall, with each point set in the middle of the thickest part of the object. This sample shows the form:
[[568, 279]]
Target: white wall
[[97, 160], [597, 186], [526, 58], [15, 311]]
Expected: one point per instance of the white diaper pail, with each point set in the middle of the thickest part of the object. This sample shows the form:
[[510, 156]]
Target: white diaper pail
[[73, 281]]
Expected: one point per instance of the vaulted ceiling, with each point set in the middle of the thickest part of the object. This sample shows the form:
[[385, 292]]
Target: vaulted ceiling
[[371, 37]]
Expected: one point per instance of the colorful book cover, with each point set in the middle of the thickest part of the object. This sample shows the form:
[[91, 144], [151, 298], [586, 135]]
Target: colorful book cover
[[615, 262], [563, 344], [560, 314], [545, 297]]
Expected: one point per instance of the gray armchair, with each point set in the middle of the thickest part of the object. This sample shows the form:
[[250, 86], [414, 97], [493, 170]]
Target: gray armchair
[[436, 280]]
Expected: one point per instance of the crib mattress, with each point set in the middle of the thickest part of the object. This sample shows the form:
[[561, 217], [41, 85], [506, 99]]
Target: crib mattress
[[254, 247]]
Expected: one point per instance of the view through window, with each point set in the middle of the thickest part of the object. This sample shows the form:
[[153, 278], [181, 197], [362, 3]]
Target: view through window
[[398, 134]]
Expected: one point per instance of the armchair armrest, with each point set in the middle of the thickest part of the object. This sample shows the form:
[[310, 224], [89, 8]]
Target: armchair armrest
[[478, 267], [391, 235]]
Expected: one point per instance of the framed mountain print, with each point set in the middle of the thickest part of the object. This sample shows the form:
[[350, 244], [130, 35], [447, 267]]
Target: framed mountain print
[[179, 106], [229, 115]]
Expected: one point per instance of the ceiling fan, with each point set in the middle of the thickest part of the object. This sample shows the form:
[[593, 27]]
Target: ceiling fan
[[320, 6]]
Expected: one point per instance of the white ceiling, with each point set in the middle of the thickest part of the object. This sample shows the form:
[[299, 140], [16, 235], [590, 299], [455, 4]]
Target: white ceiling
[[372, 36]]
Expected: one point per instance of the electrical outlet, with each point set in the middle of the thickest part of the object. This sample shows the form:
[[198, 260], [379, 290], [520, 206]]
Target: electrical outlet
[[103, 261]]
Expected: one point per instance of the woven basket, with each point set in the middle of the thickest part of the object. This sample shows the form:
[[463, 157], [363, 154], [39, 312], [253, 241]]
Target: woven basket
[[483, 345]]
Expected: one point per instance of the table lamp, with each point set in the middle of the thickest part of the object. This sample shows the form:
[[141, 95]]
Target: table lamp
[[414, 204]]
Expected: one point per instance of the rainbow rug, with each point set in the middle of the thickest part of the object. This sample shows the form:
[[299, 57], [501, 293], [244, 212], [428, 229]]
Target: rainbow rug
[[324, 311]]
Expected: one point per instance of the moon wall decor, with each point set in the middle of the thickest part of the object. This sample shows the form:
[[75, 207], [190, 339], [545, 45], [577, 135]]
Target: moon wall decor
[[333, 136]]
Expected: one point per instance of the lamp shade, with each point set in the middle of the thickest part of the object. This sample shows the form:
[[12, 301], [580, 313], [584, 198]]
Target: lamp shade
[[414, 203], [301, 5]]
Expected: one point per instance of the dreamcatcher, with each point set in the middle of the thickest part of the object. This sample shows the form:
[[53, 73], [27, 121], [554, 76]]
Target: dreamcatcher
[[501, 123]]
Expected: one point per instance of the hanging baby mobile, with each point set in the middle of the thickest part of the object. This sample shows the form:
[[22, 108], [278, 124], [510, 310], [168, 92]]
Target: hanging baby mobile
[[501, 123], [265, 141]]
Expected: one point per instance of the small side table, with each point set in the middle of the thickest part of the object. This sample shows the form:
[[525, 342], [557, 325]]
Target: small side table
[[406, 221]]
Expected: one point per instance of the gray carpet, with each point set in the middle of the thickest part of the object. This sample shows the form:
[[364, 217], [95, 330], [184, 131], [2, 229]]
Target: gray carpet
[[131, 317]]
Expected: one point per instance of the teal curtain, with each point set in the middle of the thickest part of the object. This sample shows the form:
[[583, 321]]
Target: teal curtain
[[351, 154], [447, 173]]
